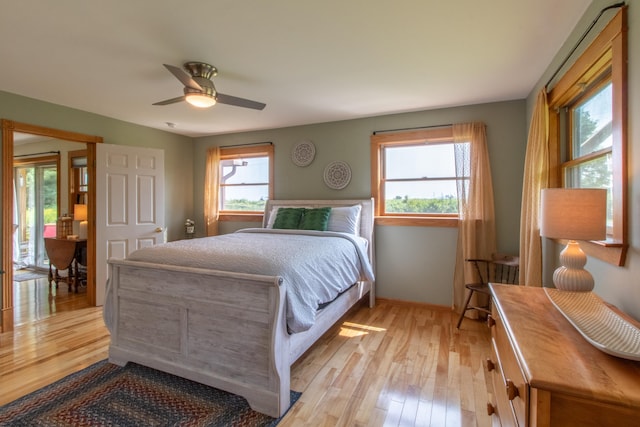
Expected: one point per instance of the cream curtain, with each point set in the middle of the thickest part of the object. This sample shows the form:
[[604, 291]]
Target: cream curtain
[[476, 225], [211, 184], [536, 177]]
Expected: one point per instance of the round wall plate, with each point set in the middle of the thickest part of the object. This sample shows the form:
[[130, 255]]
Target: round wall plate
[[303, 153], [337, 175]]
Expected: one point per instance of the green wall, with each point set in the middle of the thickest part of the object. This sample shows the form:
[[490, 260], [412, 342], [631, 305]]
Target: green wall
[[412, 263], [617, 285]]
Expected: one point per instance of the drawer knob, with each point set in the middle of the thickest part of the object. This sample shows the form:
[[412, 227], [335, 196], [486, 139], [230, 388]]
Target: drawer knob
[[490, 365], [512, 390], [491, 321], [490, 409]]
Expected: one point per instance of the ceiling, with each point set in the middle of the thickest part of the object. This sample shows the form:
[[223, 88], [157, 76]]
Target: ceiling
[[310, 62]]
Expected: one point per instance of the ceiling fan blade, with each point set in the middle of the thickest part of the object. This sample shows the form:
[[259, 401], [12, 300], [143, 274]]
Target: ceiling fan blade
[[170, 101], [183, 77], [239, 102]]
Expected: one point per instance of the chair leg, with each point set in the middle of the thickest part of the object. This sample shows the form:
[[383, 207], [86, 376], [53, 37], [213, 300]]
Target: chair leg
[[465, 308]]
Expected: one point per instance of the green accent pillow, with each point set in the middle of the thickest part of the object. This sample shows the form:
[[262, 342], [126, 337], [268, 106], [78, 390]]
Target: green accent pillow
[[315, 219], [288, 218]]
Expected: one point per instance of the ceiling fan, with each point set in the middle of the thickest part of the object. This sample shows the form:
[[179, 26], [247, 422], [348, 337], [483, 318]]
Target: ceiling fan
[[199, 90]]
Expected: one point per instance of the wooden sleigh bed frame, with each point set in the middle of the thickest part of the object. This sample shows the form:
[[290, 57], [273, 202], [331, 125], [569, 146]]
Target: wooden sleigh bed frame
[[226, 330]]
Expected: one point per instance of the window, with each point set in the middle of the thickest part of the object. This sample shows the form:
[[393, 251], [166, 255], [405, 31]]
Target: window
[[246, 181], [414, 177], [590, 142], [587, 131]]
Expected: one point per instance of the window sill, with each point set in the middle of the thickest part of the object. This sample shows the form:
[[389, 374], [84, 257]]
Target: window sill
[[614, 253], [241, 217], [416, 222]]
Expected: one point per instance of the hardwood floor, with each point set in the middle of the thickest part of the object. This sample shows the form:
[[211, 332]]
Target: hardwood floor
[[54, 335], [398, 364], [33, 301]]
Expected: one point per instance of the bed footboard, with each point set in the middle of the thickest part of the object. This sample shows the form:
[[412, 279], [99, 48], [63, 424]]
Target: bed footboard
[[226, 330]]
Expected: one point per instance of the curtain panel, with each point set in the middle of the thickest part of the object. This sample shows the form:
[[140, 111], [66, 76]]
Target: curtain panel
[[476, 223], [536, 177], [211, 185]]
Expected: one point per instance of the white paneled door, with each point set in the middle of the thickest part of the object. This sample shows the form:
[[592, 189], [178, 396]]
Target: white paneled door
[[129, 204]]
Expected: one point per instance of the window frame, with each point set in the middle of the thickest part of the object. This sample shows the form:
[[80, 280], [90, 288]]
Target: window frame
[[605, 56], [438, 135], [227, 153]]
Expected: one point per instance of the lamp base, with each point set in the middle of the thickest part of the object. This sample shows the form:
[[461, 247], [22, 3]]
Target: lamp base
[[572, 276], [83, 232]]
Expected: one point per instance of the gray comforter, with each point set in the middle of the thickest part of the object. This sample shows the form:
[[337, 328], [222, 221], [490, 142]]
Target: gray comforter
[[316, 266]]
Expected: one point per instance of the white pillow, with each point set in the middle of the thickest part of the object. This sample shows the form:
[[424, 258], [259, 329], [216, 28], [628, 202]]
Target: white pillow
[[345, 219], [272, 217]]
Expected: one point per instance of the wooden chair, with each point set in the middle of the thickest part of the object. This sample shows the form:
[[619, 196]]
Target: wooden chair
[[499, 269]]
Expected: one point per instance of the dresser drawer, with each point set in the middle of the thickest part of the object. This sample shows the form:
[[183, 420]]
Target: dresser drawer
[[512, 385], [502, 409]]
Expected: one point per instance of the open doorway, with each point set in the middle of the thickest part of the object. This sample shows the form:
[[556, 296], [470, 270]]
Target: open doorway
[[50, 183], [9, 130]]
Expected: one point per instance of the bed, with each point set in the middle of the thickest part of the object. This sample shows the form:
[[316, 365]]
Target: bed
[[226, 329]]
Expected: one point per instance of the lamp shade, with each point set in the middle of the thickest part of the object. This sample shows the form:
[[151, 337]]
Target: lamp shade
[[574, 213], [80, 212]]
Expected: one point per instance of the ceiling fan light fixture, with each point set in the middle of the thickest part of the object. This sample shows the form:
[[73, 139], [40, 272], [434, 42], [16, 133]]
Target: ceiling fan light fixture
[[200, 100], [199, 90]]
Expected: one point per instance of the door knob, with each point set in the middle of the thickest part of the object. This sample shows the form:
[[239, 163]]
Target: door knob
[[490, 365], [490, 409], [491, 322], [159, 230], [512, 390]]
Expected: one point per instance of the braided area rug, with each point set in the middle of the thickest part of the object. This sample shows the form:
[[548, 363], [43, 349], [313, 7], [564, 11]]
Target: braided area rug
[[105, 394]]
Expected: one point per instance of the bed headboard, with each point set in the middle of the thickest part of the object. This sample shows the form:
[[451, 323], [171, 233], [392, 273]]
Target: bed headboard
[[366, 214]]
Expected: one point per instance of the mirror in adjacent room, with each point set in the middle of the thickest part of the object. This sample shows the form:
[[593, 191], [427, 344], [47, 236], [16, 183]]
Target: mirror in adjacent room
[[79, 191], [78, 178]]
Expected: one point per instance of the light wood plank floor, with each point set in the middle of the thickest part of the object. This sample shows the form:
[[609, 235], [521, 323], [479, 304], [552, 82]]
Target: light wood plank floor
[[398, 364]]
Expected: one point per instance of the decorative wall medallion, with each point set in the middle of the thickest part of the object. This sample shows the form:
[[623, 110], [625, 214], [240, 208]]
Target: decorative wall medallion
[[303, 153], [337, 175]]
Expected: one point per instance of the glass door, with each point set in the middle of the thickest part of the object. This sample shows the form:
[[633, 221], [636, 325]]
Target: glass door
[[35, 213]]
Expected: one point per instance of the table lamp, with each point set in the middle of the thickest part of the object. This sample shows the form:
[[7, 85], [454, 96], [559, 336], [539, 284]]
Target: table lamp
[[80, 214], [573, 214]]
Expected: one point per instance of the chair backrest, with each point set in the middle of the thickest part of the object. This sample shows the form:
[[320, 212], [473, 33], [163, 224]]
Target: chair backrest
[[501, 268]]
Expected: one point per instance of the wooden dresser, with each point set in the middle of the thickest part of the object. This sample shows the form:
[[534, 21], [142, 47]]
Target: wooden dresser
[[545, 373]]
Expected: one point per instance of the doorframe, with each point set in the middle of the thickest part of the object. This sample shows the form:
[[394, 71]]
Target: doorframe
[[8, 129]]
